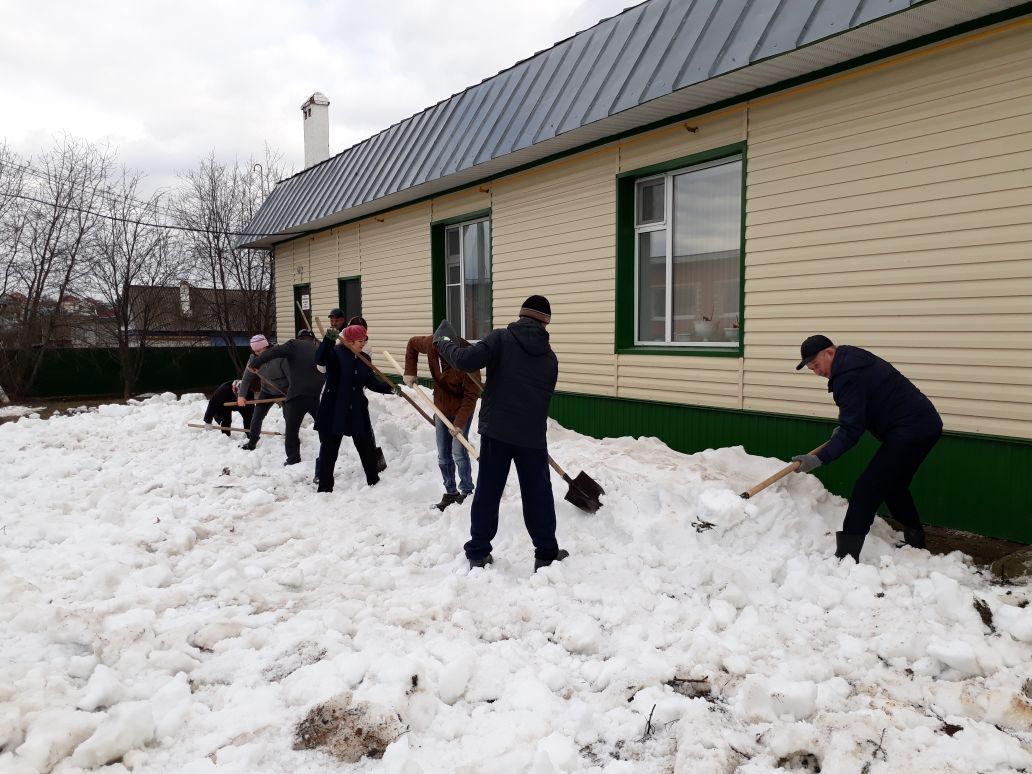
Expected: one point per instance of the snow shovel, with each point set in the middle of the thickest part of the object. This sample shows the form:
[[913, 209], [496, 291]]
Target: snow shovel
[[455, 432], [791, 468], [381, 461], [255, 402], [583, 490]]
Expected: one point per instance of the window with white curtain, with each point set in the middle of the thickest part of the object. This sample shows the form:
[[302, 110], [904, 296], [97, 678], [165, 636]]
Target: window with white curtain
[[688, 232], [467, 267]]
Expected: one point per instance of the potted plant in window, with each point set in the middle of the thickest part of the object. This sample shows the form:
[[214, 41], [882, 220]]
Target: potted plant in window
[[731, 332], [705, 328]]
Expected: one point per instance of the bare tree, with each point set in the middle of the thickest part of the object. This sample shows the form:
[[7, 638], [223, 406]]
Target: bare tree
[[133, 257], [52, 224], [219, 199]]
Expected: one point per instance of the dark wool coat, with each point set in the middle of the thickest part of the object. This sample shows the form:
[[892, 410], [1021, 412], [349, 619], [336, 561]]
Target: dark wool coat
[[344, 405], [522, 371], [872, 395], [223, 414], [299, 354]]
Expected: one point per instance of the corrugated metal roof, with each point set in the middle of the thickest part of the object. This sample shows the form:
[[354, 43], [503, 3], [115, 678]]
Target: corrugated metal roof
[[649, 63]]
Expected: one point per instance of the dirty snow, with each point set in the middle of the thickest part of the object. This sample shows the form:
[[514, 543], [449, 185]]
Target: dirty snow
[[172, 603]]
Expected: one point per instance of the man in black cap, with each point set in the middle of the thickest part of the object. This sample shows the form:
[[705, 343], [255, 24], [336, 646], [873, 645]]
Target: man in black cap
[[872, 395], [337, 319], [303, 392], [522, 371]]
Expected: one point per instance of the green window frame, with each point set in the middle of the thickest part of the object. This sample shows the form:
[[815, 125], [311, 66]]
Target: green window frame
[[443, 234], [636, 227]]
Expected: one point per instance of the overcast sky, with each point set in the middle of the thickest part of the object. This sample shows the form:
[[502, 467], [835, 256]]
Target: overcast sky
[[166, 83]]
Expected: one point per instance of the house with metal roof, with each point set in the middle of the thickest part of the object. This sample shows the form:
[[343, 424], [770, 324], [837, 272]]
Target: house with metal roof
[[697, 185]]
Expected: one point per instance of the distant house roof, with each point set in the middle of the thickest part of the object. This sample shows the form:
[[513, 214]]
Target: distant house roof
[[168, 317], [648, 64]]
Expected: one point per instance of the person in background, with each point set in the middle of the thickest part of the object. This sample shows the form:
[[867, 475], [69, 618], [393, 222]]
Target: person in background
[[274, 382], [348, 375], [872, 395], [337, 319], [455, 394], [223, 414], [522, 371], [303, 391]]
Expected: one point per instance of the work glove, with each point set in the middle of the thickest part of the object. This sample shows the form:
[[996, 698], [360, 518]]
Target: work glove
[[807, 462], [331, 335], [410, 380], [444, 332]]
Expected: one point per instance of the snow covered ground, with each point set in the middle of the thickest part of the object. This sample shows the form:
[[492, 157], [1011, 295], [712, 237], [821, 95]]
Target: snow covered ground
[[169, 602]]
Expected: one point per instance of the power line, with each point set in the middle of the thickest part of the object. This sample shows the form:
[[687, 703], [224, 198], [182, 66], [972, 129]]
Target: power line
[[133, 221]]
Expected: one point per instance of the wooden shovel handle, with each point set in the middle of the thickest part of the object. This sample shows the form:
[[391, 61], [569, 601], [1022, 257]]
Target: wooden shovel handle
[[386, 380], [256, 402], [265, 381], [455, 432], [790, 468], [231, 429]]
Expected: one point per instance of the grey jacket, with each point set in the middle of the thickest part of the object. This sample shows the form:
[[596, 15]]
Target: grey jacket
[[299, 354], [275, 371]]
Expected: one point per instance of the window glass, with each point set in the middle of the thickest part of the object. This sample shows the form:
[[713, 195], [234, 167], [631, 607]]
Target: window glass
[[468, 278], [700, 255], [650, 201]]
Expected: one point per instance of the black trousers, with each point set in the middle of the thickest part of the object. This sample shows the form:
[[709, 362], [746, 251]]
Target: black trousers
[[225, 419], [329, 448], [886, 479], [294, 411], [259, 416], [496, 457]]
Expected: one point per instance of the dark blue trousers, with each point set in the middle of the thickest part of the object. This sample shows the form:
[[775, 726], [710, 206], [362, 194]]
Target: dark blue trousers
[[535, 488], [886, 479]]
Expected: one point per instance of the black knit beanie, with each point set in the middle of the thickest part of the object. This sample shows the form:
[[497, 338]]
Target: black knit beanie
[[537, 308]]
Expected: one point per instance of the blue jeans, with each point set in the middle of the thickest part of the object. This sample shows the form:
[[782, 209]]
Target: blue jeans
[[452, 454]]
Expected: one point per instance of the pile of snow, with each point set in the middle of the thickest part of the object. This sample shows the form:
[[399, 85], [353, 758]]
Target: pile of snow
[[19, 411], [173, 603]]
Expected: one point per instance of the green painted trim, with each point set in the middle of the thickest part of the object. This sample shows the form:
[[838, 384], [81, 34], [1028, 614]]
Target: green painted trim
[[968, 482], [475, 215], [800, 80], [623, 335], [685, 161], [439, 302]]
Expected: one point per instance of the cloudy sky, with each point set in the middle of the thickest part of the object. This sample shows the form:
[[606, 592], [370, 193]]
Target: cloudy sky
[[166, 83]]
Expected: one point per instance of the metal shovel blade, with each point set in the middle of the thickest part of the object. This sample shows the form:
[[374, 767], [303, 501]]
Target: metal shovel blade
[[584, 492]]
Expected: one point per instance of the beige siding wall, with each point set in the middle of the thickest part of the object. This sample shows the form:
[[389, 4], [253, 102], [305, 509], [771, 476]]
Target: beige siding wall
[[892, 209], [285, 290], [552, 234], [396, 292]]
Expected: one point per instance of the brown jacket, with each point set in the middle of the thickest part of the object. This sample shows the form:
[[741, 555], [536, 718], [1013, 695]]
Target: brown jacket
[[454, 392]]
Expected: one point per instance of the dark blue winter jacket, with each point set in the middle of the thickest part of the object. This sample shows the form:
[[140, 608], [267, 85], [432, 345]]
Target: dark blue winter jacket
[[872, 395], [522, 371], [344, 406]]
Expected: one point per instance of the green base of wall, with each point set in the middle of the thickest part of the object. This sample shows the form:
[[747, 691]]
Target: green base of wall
[[75, 372], [973, 483]]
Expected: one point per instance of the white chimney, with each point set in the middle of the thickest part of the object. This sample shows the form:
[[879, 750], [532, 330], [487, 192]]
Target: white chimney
[[184, 298], [316, 112]]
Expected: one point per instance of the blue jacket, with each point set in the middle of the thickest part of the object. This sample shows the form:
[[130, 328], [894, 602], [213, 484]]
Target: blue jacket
[[522, 371], [872, 395], [344, 406]]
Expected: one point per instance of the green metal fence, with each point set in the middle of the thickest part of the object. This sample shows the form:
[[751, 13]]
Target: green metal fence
[[975, 483]]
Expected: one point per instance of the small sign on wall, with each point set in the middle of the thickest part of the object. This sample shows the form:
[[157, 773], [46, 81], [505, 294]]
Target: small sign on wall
[[306, 302]]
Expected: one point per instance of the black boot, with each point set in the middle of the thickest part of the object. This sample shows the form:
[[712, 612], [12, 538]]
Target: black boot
[[539, 563], [848, 545], [914, 537], [250, 445], [448, 499], [481, 562]]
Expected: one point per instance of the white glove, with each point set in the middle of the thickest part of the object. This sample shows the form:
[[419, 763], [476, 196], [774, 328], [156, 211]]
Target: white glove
[[410, 380]]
